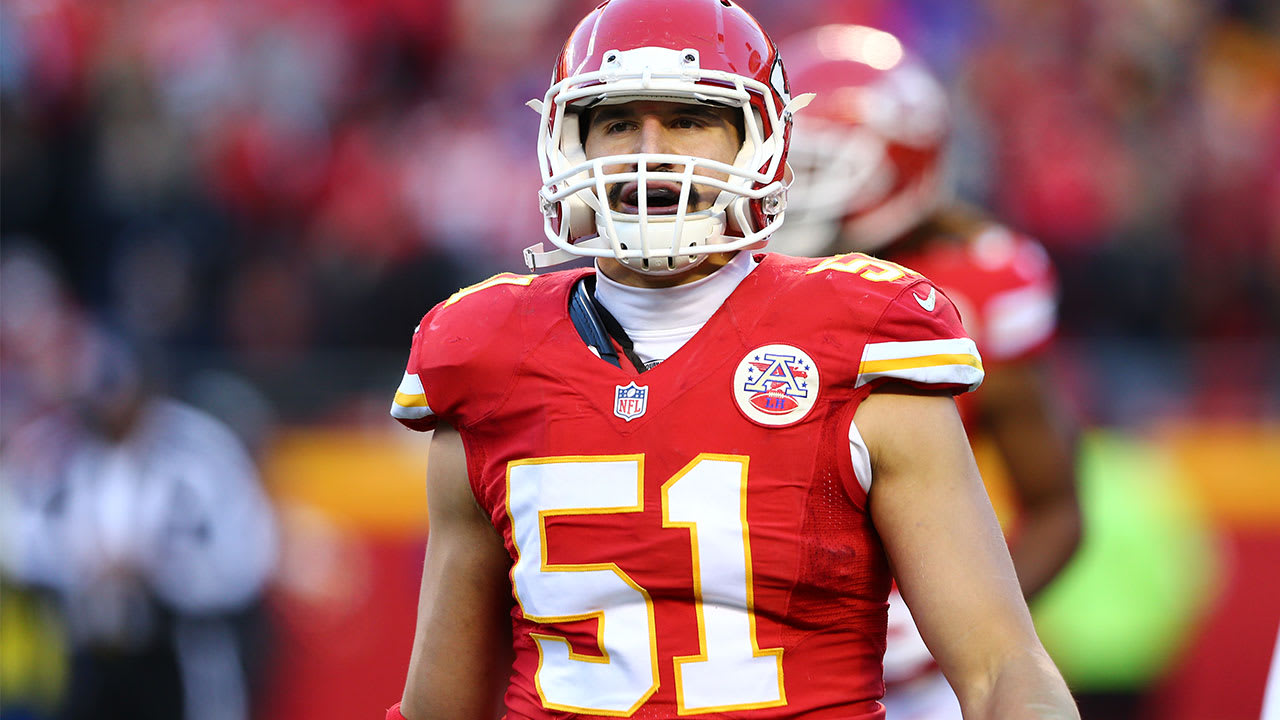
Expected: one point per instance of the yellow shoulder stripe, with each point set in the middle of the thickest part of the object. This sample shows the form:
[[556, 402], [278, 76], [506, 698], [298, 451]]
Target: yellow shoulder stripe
[[407, 400], [884, 366], [499, 279]]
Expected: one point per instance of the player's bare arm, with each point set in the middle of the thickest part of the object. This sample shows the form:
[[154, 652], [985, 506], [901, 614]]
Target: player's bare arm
[[462, 643], [1037, 443], [951, 562]]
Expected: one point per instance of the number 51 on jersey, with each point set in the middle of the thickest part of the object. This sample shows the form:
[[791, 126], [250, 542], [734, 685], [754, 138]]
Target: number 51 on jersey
[[708, 499]]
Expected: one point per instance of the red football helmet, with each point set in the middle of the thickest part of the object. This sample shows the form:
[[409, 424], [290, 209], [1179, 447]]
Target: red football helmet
[[868, 152], [691, 51]]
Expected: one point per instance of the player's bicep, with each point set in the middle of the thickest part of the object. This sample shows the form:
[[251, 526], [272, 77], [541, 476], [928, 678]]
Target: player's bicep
[[941, 535], [460, 650]]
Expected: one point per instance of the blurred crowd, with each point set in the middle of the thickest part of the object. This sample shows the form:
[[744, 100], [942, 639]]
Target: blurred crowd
[[263, 182]]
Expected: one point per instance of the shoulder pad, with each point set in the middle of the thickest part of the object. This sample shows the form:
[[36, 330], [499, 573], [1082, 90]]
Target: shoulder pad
[[870, 269], [457, 350], [920, 340], [913, 330]]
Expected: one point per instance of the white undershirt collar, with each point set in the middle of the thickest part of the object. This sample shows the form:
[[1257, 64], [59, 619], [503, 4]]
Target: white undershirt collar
[[660, 320]]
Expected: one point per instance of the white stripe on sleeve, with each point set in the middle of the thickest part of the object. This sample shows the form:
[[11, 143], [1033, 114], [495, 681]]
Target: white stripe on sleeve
[[953, 361], [411, 400]]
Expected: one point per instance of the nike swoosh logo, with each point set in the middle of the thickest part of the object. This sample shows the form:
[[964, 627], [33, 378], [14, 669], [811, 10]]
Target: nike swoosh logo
[[929, 302]]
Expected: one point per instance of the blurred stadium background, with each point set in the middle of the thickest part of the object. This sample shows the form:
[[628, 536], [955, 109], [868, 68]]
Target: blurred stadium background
[[266, 196]]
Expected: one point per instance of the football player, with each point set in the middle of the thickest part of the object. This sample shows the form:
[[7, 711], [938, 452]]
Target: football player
[[673, 484], [869, 177]]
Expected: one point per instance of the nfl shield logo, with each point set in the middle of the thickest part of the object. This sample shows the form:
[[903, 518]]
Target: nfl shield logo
[[630, 401]]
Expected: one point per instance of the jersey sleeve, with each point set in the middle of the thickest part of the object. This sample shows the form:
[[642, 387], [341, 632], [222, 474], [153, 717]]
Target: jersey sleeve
[[462, 359], [410, 404], [919, 340]]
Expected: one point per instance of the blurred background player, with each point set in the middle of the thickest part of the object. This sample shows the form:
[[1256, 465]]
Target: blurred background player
[[144, 520], [870, 176]]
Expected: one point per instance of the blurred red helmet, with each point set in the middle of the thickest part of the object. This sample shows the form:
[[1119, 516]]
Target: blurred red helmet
[[691, 51], [868, 151]]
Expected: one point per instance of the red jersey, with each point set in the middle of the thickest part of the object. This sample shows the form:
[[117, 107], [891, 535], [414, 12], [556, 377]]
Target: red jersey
[[692, 540]]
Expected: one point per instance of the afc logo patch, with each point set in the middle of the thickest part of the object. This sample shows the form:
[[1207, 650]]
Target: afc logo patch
[[776, 385], [630, 401]]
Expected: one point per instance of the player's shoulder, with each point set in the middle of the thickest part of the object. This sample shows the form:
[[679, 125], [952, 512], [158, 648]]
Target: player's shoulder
[[466, 350], [882, 293], [864, 292], [492, 310], [852, 276], [487, 319], [908, 329], [496, 298]]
